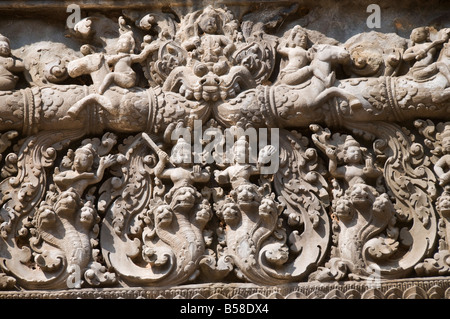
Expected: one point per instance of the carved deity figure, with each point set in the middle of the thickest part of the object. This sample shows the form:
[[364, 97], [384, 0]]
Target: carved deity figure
[[240, 172], [356, 168], [8, 66], [82, 173], [442, 166], [422, 54], [183, 173], [297, 69], [123, 75]]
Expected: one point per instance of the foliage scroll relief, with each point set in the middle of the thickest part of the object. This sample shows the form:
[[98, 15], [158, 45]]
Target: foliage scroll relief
[[205, 148]]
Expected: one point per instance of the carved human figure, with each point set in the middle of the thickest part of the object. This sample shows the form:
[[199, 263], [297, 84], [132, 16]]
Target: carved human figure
[[209, 41], [298, 70], [184, 173], [240, 172], [8, 66], [82, 173], [442, 166], [123, 75], [422, 54], [356, 169]]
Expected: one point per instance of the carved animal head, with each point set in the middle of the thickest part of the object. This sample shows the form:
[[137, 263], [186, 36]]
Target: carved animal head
[[203, 213], [269, 207], [163, 215], [329, 53], [67, 203], [361, 195], [88, 214], [247, 195]]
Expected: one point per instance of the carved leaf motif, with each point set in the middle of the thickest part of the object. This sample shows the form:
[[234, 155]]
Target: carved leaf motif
[[302, 188]]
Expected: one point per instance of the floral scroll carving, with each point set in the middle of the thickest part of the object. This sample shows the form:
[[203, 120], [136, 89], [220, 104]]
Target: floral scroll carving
[[114, 172]]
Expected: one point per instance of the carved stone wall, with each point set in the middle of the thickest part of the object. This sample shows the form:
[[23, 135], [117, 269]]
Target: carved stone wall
[[242, 150]]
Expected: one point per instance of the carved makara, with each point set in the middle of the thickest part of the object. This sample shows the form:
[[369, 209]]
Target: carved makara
[[153, 235], [101, 185], [437, 140]]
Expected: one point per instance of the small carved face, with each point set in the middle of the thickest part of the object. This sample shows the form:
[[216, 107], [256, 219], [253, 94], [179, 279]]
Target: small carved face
[[67, 202], [230, 213], [87, 214], [353, 155], [266, 207], [247, 193], [203, 214], [240, 151], [5, 50], [46, 216], [443, 205], [163, 215], [208, 24], [82, 161], [419, 35], [185, 198], [343, 209]]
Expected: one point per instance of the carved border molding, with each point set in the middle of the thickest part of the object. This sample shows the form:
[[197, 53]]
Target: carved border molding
[[419, 288]]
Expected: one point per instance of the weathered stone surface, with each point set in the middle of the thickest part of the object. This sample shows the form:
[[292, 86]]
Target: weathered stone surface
[[241, 150]]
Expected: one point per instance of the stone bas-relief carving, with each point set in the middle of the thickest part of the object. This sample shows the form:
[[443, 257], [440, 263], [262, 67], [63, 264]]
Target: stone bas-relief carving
[[102, 184]]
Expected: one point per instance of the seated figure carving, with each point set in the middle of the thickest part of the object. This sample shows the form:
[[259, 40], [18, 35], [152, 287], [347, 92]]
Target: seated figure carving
[[122, 74], [422, 54], [82, 173], [8, 66]]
